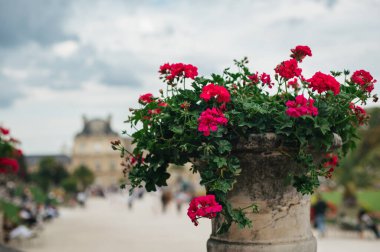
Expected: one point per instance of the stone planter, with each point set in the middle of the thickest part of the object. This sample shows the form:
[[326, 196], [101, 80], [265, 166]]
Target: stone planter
[[283, 222]]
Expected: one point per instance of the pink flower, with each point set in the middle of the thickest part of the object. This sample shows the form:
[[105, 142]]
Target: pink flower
[[203, 207], [300, 52], [146, 98], [8, 163], [214, 91], [321, 82], [364, 79], [301, 106], [210, 119], [288, 69]]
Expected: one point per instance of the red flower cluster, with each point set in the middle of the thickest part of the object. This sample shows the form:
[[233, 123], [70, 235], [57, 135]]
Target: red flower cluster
[[265, 79], [203, 206], [134, 159], [4, 131], [178, 69], [301, 106], [162, 104], [185, 105], [154, 111], [8, 164], [331, 164], [321, 82], [360, 113], [364, 79], [146, 98], [214, 91], [300, 52], [254, 78], [294, 84], [288, 69], [210, 119]]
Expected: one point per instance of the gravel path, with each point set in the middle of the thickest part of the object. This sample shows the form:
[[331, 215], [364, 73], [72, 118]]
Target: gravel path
[[107, 225]]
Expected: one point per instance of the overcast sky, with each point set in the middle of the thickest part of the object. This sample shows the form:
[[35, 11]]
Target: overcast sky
[[62, 59]]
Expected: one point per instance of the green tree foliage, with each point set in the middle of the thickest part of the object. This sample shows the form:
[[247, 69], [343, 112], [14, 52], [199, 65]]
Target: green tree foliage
[[362, 166], [50, 174], [70, 185], [84, 176]]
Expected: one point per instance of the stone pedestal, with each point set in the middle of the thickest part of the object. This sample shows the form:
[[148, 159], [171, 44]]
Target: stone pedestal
[[283, 222], [1, 228]]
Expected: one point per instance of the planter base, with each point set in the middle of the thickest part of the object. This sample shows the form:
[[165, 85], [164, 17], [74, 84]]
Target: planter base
[[216, 245]]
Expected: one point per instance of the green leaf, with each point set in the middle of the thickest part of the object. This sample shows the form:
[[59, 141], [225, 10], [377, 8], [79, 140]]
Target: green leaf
[[177, 129], [221, 185], [224, 146], [220, 161]]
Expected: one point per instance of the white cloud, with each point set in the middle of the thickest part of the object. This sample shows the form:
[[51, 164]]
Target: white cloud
[[65, 49]]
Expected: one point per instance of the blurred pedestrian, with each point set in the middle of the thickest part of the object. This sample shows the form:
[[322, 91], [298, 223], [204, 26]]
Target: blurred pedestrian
[[320, 209], [366, 222], [166, 197]]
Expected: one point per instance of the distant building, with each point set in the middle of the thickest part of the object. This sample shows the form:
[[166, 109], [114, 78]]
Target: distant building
[[33, 161], [92, 148]]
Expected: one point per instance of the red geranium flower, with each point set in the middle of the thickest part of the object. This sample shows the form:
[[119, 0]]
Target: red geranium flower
[[210, 119], [288, 69], [162, 104], [214, 91], [360, 113], [185, 105], [8, 164], [300, 52], [177, 70], [254, 78], [134, 159], [331, 164], [294, 84], [364, 79], [301, 106], [165, 68], [203, 207], [265, 79], [321, 82], [4, 131], [154, 111], [146, 98]]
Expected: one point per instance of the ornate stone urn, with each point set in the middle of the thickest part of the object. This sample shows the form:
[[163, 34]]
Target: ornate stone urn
[[283, 222]]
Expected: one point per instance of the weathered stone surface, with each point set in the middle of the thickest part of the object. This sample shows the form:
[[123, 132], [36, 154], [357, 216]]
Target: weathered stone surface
[[283, 222]]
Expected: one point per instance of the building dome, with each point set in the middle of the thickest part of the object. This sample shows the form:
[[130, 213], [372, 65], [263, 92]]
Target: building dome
[[97, 127]]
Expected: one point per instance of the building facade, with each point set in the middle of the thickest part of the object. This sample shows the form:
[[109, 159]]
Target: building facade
[[92, 148]]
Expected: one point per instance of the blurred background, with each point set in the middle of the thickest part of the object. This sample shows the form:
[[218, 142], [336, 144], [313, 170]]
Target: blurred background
[[69, 71]]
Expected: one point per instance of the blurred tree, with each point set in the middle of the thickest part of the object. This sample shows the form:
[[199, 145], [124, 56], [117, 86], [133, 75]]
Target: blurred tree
[[84, 176], [361, 168], [70, 185], [50, 173]]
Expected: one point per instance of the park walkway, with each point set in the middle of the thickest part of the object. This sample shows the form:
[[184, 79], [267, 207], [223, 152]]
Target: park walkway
[[107, 225]]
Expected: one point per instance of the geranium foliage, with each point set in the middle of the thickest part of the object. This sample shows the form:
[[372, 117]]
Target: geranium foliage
[[199, 120]]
